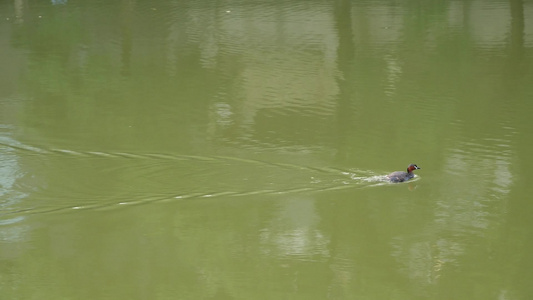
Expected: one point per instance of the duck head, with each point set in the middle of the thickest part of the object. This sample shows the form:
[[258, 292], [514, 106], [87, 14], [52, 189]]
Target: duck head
[[412, 167]]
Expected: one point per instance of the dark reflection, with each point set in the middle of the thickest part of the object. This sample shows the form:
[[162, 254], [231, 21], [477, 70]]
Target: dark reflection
[[345, 79], [517, 24], [127, 17], [516, 43], [517, 236]]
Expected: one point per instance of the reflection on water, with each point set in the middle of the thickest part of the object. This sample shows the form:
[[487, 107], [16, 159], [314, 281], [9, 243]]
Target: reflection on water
[[467, 205], [235, 149], [295, 234], [11, 175]]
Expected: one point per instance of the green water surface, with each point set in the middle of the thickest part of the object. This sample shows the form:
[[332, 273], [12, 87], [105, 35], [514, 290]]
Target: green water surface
[[238, 149]]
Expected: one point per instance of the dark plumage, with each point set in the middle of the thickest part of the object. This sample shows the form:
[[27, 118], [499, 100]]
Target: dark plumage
[[400, 176]]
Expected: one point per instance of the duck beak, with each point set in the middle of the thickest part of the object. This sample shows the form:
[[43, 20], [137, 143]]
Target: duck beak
[[417, 167]]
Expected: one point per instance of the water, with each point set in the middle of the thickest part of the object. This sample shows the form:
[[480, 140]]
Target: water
[[237, 149]]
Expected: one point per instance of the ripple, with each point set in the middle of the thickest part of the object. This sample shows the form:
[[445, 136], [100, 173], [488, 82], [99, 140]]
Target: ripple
[[11, 221], [97, 180]]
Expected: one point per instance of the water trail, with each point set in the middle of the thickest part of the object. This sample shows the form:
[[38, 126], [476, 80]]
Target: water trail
[[310, 179], [163, 156]]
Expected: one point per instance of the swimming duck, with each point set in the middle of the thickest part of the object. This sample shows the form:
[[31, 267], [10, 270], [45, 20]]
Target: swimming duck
[[400, 176]]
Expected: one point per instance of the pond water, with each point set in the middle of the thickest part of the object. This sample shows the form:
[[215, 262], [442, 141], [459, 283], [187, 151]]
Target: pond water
[[237, 149]]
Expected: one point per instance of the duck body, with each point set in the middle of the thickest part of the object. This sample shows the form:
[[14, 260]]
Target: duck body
[[400, 176]]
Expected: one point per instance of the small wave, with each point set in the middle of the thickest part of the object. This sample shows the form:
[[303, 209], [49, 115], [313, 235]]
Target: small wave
[[164, 177]]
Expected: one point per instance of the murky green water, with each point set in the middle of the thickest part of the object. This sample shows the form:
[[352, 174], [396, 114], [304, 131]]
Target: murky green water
[[236, 149]]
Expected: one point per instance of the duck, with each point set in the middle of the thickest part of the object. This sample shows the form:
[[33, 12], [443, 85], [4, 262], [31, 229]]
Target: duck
[[400, 176]]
